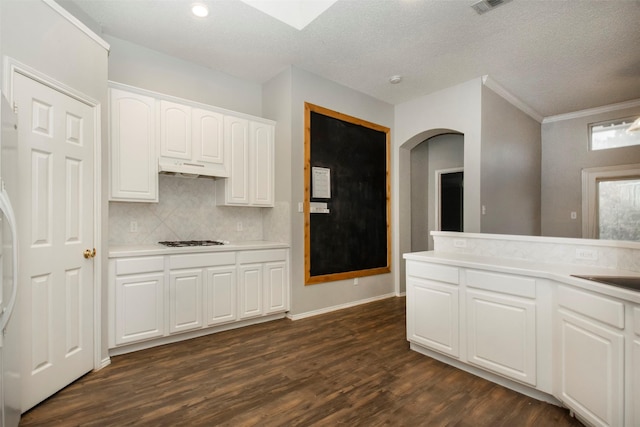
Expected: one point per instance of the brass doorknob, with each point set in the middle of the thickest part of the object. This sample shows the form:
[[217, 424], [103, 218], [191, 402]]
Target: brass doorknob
[[88, 253]]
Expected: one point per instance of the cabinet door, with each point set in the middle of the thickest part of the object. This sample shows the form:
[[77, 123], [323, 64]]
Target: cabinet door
[[591, 369], [432, 315], [220, 295], [250, 290], [261, 164], [276, 289], [175, 130], [132, 139], [208, 136], [139, 307], [185, 300], [501, 334], [236, 135]]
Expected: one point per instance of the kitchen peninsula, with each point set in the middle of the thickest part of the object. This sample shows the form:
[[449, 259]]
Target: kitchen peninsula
[[507, 308]]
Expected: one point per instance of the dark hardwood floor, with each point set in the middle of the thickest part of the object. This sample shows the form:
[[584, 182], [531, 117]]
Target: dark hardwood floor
[[350, 367]]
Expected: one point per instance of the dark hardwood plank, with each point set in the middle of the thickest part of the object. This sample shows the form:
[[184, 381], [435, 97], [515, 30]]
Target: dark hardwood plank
[[351, 367]]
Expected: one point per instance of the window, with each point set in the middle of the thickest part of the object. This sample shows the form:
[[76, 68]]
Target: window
[[613, 134], [611, 203]]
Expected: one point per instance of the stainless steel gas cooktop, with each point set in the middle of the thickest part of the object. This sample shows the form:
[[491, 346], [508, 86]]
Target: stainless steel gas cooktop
[[184, 243]]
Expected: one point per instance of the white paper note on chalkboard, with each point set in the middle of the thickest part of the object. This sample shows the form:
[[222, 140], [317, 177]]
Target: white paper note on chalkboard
[[321, 183]]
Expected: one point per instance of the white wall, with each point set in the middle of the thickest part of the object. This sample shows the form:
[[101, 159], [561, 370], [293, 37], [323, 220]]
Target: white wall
[[307, 87], [565, 152], [510, 168], [456, 109], [138, 66]]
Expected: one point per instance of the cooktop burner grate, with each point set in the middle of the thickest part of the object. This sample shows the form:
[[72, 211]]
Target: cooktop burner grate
[[183, 243]]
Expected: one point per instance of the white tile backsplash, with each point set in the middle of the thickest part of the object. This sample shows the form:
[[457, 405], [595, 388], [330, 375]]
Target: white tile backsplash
[[186, 210]]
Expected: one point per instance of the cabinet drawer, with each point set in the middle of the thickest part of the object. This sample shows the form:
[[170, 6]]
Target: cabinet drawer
[[440, 273], [503, 283], [139, 265], [249, 257], [601, 308], [201, 260], [636, 321]]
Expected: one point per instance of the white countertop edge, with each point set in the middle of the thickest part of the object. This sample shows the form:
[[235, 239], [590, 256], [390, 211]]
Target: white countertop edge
[[556, 272], [539, 239], [123, 251]]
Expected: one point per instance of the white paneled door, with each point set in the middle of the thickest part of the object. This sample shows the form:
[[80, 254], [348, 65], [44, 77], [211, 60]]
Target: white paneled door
[[56, 225]]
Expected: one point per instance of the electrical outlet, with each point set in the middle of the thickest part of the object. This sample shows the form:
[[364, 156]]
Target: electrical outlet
[[239, 226], [574, 215], [588, 254], [355, 282], [133, 227]]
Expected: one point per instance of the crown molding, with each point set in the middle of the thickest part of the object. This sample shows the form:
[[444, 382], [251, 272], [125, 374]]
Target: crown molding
[[592, 111], [516, 102], [77, 23]]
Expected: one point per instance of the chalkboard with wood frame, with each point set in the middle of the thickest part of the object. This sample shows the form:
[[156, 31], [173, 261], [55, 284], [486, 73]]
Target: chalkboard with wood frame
[[352, 238]]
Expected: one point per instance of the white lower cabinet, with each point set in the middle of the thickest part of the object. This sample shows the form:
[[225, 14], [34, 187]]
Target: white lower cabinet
[[276, 287], [185, 300], [159, 296], [137, 296], [250, 290], [432, 315], [263, 282], [501, 324], [590, 355], [220, 295]]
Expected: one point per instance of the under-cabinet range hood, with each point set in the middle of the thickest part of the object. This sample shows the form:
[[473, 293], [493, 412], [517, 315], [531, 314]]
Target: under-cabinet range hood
[[187, 169]]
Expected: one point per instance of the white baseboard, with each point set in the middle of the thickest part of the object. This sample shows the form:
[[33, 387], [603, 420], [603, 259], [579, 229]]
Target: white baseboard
[[338, 307]]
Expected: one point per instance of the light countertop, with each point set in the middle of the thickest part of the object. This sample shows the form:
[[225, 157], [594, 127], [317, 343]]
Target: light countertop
[[556, 272], [123, 251]]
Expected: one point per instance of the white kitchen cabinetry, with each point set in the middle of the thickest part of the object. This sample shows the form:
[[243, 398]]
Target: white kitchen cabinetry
[[133, 159], [191, 138], [185, 299], [168, 296], [220, 295], [137, 296], [250, 145], [590, 363], [263, 282], [276, 286], [433, 307], [501, 324], [175, 130]]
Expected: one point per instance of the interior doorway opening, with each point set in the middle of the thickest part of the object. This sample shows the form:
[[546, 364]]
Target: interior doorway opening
[[441, 153], [450, 199]]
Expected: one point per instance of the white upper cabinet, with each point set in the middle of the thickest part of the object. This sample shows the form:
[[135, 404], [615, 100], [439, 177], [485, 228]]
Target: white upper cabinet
[[133, 159], [261, 164], [151, 133], [193, 139], [208, 137], [251, 149], [175, 130]]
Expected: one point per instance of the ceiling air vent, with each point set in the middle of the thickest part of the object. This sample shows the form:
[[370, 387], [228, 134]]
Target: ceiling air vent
[[486, 5]]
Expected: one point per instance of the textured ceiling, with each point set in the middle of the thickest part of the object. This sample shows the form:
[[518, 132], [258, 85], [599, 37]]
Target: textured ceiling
[[555, 56]]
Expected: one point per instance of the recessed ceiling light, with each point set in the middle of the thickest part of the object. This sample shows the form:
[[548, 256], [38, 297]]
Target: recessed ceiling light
[[200, 10], [394, 80]]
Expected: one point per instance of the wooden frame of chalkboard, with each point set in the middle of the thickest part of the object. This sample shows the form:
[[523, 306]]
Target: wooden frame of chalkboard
[[350, 236]]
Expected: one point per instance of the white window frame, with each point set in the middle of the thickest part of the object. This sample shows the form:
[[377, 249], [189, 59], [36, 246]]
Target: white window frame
[[590, 179]]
